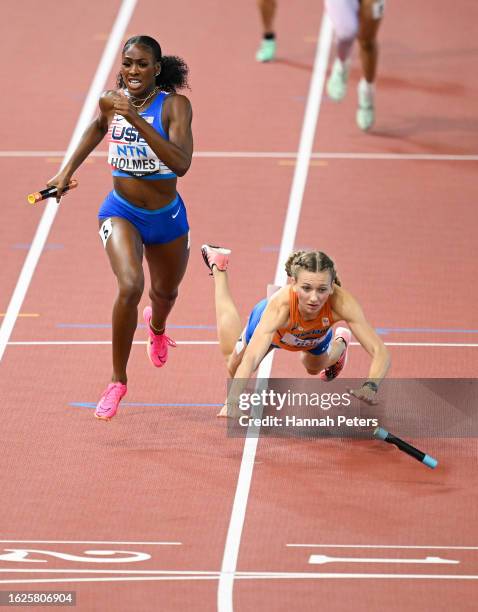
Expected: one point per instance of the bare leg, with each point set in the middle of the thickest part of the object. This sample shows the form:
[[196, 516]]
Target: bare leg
[[370, 19], [345, 19], [125, 252], [267, 10], [228, 325], [167, 264], [227, 318], [316, 363], [344, 49], [267, 48]]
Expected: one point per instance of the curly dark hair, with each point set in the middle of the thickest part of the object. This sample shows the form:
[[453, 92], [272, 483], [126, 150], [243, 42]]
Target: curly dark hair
[[312, 261], [174, 70]]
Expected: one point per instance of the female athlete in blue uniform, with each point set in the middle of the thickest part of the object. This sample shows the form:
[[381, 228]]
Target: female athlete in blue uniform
[[150, 145]]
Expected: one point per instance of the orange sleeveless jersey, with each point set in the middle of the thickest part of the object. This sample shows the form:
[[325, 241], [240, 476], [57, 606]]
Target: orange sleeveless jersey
[[302, 335]]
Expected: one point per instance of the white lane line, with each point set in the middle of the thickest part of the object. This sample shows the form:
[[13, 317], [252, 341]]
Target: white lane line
[[302, 575], [87, 542], [110, 571], [32, 153], [214, 342], [325, 155], [436, 344], [100, 342], [398, 546], [119, 579], [46, 222], [248, 576], [321, 559], [274, 155], [236, 523], [396, 156], [143, 572]]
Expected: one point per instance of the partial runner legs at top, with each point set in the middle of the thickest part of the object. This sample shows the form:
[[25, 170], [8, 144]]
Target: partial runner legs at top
[[267, 49], [352, 20]]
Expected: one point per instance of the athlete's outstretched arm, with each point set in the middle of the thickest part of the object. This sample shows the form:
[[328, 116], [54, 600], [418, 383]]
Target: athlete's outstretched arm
[[373, 344], [91, 138], [347, 308], [275, 316]]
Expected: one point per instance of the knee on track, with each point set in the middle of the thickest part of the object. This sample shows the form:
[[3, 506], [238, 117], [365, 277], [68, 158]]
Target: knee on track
[[313, 372]]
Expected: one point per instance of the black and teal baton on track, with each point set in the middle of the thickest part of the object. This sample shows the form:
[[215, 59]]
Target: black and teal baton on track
[[383, 434]]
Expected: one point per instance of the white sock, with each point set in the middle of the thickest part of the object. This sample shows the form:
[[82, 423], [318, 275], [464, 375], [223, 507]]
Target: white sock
[[344, 66], [366, 93], [366, 89]]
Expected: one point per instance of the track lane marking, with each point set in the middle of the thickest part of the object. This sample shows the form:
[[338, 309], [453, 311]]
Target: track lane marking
[[180, 575], [276, 155], [103, 70], [322, 559], [214, 342], [236, 522], [87, 542], [398, 546]]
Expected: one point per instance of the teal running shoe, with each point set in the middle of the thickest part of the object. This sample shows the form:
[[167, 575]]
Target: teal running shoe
[[267, 50], [337, 83], [366, 111]]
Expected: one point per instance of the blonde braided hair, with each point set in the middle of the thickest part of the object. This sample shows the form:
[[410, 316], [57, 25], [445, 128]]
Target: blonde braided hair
[[311, 261]]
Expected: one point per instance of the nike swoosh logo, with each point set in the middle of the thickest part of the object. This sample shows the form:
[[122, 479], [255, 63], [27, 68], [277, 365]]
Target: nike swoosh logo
[[176, 214]]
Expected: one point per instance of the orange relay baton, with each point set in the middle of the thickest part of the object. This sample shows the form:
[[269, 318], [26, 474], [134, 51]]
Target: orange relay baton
[[50, 192]]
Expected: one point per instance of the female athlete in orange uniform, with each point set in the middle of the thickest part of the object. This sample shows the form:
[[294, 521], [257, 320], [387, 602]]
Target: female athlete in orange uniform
[[298, 317]]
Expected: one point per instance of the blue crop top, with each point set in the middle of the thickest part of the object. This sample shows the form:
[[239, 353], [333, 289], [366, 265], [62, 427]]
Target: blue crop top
[[129, 154]]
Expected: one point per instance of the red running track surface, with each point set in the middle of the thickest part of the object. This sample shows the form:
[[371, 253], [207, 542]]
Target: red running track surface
[[160, 479]]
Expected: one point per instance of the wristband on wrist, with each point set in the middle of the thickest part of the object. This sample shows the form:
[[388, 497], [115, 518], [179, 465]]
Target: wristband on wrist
[[371, 384]]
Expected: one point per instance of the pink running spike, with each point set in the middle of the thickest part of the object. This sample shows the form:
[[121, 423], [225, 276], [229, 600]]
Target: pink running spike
[[109, 401], [334, 370], [157, 344], [215, 256]]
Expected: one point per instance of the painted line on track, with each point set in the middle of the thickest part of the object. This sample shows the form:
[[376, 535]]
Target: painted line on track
[[88, 542], [23, 314], [380, 330], [146, 405], [139, 326], [197, 575], [302, 575], [398, 546], [101, 342], [323, 559], [103, 70], [119, 579], [236, 522], [423, 330], [215, 342], [275, 155], [113, 571]]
